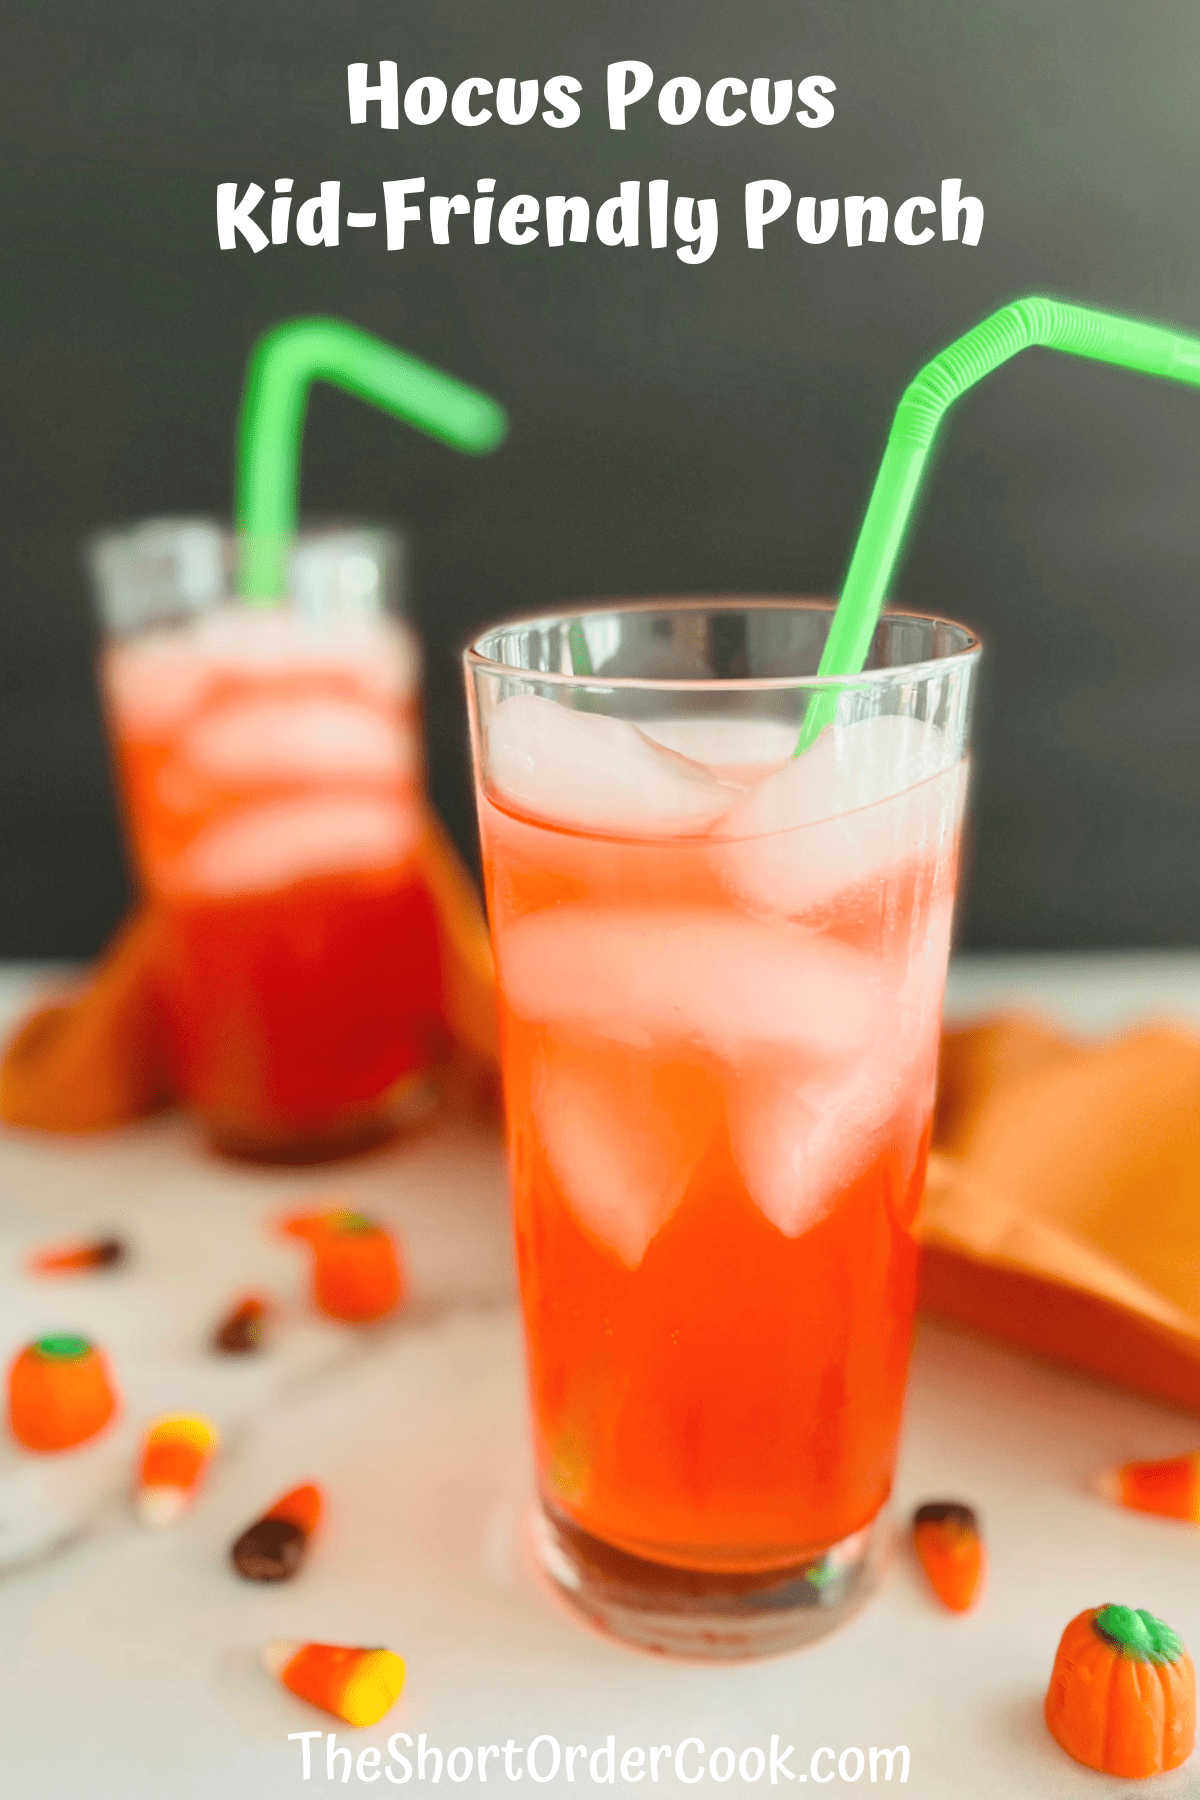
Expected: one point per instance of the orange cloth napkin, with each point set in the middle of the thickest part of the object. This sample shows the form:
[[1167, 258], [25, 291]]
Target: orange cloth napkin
[[1063, 1204], [97, 1058]]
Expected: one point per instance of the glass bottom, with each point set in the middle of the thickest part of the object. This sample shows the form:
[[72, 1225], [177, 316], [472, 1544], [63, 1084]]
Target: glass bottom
[[348, 1133], [701, 1614]]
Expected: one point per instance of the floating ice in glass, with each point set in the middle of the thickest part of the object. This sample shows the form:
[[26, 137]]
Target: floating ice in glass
[[864, 799], [262, 848], [595, 773], [641, 975]]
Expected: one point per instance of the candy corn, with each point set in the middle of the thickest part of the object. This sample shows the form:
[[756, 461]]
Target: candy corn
[[311, 1225], [241, 1331], [175, 1456], [358, 1686], [356, 1267], [1170, 1488], [273, 1548], [60, 1393], [947, 1540], [74, 1259]]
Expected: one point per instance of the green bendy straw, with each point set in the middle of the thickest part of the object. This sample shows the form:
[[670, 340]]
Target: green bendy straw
[[283, 366], [1055, 324]]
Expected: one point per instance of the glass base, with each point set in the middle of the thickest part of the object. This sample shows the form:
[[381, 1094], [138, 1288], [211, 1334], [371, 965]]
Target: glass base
[[349, 1133], [700, 1613]]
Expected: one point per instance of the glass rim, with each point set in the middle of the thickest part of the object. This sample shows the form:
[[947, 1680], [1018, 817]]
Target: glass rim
[[165, 570], [478, 661], [311, 525]]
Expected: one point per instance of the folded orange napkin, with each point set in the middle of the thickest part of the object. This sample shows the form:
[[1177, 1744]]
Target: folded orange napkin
[[97, 1057], [1063, 1205]]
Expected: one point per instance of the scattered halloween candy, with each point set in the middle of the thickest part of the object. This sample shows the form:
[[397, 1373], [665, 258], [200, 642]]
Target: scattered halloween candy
[[1122, 1695], [1170, 1488], [76, 1259], [358, 1686], [357, 1275], [240, 1333], [311, 1225], [947, 1539], [175, 1458], [356, 1271], [273, 1548], [60, 1393]]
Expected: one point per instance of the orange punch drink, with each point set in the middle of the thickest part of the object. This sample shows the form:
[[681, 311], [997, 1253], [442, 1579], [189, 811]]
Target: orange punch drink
[[270, 770], [721, 969]]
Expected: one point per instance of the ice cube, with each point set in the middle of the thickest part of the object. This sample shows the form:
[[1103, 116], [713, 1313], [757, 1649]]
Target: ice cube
[[379, 654], [387, 661], [623, 1137], [863, 799], [595, 773], [800, 1139], [298, 739], [239, 638], [643, 976], [153, 684], [154, 681], [260, 848], [801, 1135], [738, 751]]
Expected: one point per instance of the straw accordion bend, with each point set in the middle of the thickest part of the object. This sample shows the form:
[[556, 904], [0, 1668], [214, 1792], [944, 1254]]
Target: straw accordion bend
[[1023, 324], [282, 368]]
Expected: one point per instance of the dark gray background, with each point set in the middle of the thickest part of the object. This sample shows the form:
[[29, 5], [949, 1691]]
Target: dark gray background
[[674, 429]]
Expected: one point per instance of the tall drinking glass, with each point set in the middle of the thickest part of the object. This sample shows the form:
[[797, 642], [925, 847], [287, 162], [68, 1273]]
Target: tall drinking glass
[[270, 771], [721, 970]]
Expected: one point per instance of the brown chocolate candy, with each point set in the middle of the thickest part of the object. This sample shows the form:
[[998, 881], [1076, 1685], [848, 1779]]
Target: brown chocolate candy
[[946, 1512], [270, 1550], [242, 1332]]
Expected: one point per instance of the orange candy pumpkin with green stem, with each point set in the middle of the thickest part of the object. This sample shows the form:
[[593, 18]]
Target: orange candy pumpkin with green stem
[[357, 1271], [60, 1394], [1122, 1696]]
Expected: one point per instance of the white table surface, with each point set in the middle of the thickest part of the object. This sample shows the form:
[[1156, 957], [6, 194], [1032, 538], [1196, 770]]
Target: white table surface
[[128, 1662]]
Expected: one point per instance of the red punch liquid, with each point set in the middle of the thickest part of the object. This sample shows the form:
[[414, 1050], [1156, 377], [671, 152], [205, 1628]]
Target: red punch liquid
[[719, 1056], [272, 790]]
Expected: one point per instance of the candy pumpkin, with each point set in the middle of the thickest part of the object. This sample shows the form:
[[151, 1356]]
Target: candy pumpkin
[[357, 1271], [60, 1393], [1122, 1695]]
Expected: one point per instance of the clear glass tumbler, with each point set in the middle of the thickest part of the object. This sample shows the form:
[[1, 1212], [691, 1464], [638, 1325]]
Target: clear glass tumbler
[[270, 772], [721, 970]]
